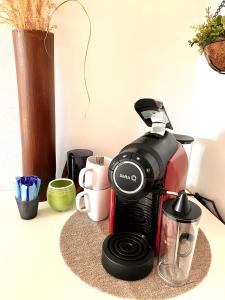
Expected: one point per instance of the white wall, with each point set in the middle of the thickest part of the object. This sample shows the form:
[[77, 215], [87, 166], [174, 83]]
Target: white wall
[[207, 124], [138, 49]]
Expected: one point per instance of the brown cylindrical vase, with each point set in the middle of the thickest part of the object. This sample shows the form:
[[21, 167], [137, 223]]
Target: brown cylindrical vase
[[34, 58]]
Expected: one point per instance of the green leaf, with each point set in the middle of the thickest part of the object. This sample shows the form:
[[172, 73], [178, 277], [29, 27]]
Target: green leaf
[[212, 29], [218, 20], [223, 21]]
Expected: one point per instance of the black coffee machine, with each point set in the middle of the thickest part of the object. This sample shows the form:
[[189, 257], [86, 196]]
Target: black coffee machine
[[143, 169]]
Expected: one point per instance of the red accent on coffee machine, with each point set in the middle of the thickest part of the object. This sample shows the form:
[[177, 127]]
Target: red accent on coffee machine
[[139, 176]]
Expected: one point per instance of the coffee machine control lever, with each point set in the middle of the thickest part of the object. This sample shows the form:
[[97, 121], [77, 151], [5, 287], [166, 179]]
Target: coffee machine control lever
[[129, 177], [131, 174]]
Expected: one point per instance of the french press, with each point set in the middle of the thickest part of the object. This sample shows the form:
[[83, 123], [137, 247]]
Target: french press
[[179, 230]]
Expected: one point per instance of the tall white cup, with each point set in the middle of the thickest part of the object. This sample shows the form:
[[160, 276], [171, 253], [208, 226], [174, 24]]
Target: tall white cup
[[95, 176]]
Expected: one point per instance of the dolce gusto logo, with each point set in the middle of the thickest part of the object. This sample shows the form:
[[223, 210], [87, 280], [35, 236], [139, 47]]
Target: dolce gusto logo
[[127, 177]]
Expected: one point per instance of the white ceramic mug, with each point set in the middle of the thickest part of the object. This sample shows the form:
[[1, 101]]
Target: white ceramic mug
[[96, 203], [95, 176]]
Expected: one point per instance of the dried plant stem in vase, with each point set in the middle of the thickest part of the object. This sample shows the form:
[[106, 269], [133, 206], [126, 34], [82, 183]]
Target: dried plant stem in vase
[[27, 14], [34, 56]]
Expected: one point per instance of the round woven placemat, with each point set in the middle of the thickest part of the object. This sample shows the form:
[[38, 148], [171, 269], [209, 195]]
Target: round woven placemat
[[81, 246]]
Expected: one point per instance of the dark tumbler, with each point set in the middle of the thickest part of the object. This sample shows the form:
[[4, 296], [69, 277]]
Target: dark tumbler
[[76, 160]]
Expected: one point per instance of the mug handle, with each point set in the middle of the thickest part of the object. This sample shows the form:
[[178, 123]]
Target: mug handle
[[82, 178], [86, 202]]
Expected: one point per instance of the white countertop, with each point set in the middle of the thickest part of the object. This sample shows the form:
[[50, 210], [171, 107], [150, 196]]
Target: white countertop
[[31, 265]]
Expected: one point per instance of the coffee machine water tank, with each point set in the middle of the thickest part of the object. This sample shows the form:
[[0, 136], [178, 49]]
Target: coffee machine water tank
[[137, 175]]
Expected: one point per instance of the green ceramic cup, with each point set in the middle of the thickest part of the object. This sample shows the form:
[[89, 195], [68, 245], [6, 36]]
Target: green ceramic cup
[[61, 194]]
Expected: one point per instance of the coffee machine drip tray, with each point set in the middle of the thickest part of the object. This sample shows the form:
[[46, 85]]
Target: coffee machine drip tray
[[127, 256]]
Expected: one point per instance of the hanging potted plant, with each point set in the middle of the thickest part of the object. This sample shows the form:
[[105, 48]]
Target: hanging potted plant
[[210, 38], [34, 57]]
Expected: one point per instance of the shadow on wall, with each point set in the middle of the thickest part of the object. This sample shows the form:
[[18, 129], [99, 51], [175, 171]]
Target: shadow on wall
[[210, 180]]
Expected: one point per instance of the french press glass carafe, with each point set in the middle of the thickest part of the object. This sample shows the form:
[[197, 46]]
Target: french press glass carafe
[[179, 230]]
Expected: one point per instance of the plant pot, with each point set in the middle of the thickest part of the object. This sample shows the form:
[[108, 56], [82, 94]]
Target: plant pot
[[35, 77], [215, 55]]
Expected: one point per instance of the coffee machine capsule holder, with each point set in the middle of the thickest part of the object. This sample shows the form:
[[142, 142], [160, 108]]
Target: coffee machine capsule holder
[[153, 163], [154, 114]]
